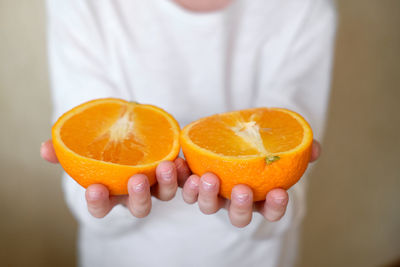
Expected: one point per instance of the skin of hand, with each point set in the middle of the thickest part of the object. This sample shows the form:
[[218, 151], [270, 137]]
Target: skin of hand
[[203, 190]]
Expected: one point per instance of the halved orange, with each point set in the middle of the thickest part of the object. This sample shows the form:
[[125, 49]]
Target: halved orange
[[108, 140], [263, 148]]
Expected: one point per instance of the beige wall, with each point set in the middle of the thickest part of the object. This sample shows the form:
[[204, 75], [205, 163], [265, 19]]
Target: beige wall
[[354, 199], [354, 213], [36, 228]]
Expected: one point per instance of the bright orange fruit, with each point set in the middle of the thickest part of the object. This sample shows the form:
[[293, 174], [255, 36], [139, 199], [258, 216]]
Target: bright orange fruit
[[108, 140], [264, 148]]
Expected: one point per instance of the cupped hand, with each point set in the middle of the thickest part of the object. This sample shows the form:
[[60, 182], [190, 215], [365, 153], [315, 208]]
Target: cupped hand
[[138, 201], [204, 190]]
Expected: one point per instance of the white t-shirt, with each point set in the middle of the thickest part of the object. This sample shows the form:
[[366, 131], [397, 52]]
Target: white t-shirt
[[253, 53]]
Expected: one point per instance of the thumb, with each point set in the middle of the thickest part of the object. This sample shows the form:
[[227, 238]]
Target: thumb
[[47, 152]]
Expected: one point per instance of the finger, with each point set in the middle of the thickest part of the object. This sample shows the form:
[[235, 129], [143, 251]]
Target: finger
[[275, 204], [190, 191], [139, 201], [208, 200], [47, 152], [241, 207], [166, 176], [182, 170], [316, 151], [98, 201]]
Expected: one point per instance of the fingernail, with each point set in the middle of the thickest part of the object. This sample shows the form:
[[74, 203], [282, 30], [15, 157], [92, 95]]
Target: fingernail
[[279, 201], [94, 195], [242, 198], [208, 185], [139, 187], [167, 174], [193, 184]]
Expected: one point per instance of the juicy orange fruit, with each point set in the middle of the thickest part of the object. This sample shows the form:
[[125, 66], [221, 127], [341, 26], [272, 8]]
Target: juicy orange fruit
[[107, 141], [263, 148]]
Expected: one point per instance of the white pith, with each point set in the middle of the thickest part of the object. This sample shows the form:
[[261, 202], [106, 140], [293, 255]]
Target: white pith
[[250, 133], [121, 129]]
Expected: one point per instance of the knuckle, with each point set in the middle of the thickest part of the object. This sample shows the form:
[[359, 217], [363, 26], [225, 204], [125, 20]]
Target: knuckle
[[99, 216], [140, 211], [97, 212], [141, 201], [167, 195], [274, 216], [208, 207], [140, 214], [189, 199], [169, 188], [189, 196], [240, 218], [207, 211], [274, 219], [241, 212], [241, 223]]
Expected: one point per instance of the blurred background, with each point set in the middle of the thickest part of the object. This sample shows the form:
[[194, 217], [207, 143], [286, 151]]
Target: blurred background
[[354, 198]]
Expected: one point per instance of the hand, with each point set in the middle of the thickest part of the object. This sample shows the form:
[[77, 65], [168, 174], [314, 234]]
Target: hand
[[139, 202], [100, 203], [205, 190]]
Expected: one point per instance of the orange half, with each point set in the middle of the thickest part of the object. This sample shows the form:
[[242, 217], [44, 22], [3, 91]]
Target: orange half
[[108, 140], [263, 148]]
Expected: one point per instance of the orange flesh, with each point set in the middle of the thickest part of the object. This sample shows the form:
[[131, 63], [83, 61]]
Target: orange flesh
[[127, 134], [246, 133]]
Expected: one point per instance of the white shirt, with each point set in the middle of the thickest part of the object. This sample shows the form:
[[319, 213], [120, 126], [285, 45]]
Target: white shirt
[[253, 53]]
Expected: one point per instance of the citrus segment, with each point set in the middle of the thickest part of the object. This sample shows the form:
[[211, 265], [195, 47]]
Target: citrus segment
[[263, 148]]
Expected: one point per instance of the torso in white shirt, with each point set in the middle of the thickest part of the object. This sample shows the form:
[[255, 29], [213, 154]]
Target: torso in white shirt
[[253, 53]]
